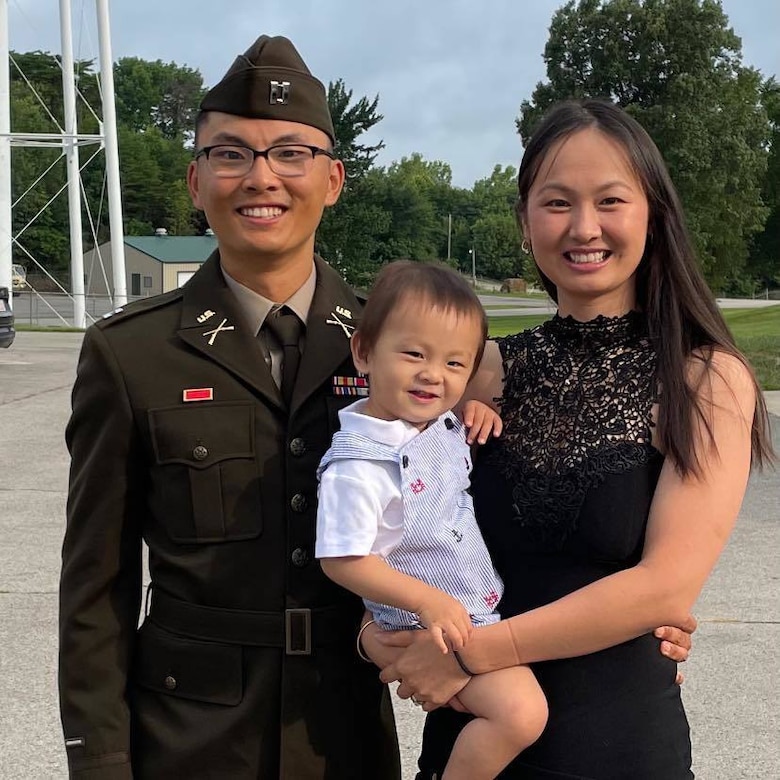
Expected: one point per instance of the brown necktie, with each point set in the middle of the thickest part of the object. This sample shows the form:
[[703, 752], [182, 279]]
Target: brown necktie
[[286, 328]]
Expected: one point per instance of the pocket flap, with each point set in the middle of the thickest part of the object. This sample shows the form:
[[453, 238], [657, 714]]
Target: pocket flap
[[188, 668], [200, 436]]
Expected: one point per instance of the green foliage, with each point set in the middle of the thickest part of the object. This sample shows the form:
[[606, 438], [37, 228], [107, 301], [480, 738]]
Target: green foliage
[[764, 262], [348, 235], [153, 184], [756, 331], [162, 95], [498, 256], [156, 105], [42, 71], [677, 67], [494, 232], [414, 191], [349, 123]]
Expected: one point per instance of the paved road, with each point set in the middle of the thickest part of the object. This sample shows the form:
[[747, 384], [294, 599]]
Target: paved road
[[732, 680], [57, 309]]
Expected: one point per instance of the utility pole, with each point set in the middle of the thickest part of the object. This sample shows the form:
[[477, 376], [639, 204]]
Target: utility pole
[[449, 237], [473, 253], [70, 148], [116, 228], [68, 139]]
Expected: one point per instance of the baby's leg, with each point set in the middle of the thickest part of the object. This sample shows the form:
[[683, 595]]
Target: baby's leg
[[511, 713]]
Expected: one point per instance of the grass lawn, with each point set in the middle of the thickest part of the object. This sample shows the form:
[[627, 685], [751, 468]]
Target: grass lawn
[[757, 333]]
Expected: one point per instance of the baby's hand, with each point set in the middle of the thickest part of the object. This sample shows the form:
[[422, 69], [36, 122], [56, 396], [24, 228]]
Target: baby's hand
[[481, 421], [446, 617]]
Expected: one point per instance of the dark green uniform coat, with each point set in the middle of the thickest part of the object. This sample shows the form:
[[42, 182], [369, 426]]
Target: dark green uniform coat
[[223, 491]]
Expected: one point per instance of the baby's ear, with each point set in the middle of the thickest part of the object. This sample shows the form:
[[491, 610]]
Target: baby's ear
[[358, 356]]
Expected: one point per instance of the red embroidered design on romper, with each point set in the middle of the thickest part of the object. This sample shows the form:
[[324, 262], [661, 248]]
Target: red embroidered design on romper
[[491, 599], [417, 486]]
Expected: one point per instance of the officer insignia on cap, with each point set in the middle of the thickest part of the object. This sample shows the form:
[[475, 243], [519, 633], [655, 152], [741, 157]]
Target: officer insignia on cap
[[271, 81], [280, 93]]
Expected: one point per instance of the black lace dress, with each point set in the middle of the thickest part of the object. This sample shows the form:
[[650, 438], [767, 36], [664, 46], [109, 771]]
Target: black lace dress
[[563, 499]]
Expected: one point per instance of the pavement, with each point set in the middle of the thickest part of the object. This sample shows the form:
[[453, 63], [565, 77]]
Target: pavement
[[732, 680], [56, 309]]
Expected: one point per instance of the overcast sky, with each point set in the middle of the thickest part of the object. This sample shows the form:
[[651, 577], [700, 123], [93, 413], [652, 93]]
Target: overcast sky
[[450, 74]]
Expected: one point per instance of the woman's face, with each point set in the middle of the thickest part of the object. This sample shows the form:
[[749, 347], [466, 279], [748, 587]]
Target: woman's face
[[587, 221]]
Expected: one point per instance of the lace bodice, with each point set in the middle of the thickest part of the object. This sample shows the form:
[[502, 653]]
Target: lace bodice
[[576, 406]]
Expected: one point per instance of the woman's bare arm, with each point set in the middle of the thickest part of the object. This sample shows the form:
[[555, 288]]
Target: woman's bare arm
[[690, 521]]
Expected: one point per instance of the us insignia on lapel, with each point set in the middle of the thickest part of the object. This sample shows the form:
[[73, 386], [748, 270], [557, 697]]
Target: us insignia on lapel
[[350, 385]]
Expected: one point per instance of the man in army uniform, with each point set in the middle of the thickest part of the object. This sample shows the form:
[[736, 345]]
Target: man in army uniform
[[199, 418]]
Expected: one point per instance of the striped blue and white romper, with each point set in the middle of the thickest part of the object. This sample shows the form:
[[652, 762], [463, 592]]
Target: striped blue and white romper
[[441, 542]]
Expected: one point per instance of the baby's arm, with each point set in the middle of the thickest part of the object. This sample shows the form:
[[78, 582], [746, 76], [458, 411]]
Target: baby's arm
[[372, 578]]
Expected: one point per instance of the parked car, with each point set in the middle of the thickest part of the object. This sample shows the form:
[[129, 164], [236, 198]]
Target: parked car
[[18, 278], [7, 332]]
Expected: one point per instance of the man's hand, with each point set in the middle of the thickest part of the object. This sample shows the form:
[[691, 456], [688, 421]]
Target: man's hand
[[482, 422], [445, 617]]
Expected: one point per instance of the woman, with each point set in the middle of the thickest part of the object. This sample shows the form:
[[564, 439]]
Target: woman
[[630, 424]]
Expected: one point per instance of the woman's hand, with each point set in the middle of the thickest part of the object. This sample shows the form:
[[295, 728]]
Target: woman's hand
[[482, 421], [676, 642], [423, 672]]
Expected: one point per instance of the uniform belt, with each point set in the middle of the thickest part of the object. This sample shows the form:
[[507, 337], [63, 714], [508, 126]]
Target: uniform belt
[[298, 631]]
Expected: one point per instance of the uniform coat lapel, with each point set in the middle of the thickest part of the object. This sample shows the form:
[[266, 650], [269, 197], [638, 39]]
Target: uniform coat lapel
[[327, 344], [237, 350]]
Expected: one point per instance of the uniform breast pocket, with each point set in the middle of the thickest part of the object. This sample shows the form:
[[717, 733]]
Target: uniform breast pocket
[[206, 485]]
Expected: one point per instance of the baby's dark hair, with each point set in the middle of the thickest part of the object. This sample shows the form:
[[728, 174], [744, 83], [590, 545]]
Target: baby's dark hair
[[431, 284]]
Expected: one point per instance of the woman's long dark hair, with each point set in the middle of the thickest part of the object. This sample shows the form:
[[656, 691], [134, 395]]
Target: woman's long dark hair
[[682, 316]]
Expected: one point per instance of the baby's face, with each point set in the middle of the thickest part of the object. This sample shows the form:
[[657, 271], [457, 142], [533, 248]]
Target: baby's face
[[420, 364]]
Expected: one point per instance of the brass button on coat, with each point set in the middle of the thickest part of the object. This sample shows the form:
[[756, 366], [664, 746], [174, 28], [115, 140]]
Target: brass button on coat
[[300, 557], [170, 683], [200, 453], [297, 447], [299, 503]]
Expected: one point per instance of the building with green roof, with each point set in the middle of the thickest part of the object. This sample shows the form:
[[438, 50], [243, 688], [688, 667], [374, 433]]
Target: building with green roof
[[154, 264]]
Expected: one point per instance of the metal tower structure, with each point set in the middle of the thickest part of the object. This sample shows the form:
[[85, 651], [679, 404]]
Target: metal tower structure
[[69, 140]]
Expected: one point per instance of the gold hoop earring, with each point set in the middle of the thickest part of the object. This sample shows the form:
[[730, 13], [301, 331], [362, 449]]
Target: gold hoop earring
[[525, 245]]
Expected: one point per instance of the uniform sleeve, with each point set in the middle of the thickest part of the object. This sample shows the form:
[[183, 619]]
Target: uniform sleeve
[[353, 497], [100, 585]]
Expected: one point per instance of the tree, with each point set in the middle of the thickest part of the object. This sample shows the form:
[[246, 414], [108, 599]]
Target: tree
[[43, 71], [40, 216], [497, 244], [157, 94], [348, 233], [676, 66], [349, 124], [156, 105], [494, 232], [764, 262], [414, 193], [359, 222]]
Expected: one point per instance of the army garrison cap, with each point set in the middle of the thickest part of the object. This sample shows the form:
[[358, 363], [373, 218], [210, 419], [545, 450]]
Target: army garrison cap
[[271, 81]]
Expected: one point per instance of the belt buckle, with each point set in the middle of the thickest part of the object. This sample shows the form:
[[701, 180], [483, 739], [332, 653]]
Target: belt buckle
[[296, 620]]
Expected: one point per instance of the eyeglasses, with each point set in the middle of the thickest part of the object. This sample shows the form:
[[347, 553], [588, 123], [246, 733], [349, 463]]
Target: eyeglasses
[[228, 161]]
